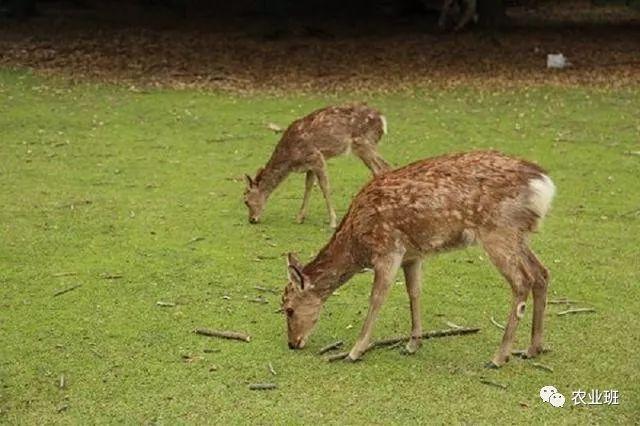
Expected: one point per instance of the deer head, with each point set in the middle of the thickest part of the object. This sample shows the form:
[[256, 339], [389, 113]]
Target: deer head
[[300, 304], [254, 198]]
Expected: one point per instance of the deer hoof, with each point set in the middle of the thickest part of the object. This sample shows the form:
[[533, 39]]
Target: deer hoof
[[411, 347], [492, 365], [350, 359], [300, 219]]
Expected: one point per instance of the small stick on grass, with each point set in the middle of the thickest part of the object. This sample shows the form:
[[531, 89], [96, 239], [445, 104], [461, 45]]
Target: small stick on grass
[[262, 386], [165, 304], [492, 383], [66, 290], [265, 289], [61, 382], [577, 311], [195, 240], [337, 357], [233, 335], [271, 369], [561, 301], [452, 325], [497, 324], [110, 276], [542, 367], [330, 347]]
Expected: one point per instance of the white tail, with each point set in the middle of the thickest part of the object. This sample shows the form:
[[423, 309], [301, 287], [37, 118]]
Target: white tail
[[542, 193], [383, 119]]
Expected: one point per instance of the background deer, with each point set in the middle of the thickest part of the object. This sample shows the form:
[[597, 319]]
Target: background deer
[[308, 143], [432, 205]]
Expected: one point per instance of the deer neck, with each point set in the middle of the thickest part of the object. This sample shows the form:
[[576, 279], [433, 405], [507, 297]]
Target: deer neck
[[272, 175], [333, 266]]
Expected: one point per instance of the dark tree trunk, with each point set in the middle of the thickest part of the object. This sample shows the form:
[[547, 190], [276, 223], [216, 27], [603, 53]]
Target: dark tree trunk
[[22, 9], [491, 13]]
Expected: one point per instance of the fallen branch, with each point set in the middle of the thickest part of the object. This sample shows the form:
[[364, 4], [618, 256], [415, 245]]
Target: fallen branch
[[497, 324], [165, 304], [66, 290], [330, 347], [233, 335], [427, 335], [271, 369], [492, 383], [576, 311], [262, 386], [399, 339]]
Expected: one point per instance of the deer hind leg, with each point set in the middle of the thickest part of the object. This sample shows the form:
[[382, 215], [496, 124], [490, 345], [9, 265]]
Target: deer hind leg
[[507, 252], [540, 283], [412, 277], [308, 185], [323, 181], [385, 270]]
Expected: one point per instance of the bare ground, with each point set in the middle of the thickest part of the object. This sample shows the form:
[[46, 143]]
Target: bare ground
[[602, 44]]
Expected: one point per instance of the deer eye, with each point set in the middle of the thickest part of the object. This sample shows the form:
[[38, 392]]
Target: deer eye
[[289, 312]]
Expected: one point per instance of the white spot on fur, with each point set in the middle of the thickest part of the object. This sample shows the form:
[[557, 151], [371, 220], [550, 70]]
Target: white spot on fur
[[383, 120], [542, 192]]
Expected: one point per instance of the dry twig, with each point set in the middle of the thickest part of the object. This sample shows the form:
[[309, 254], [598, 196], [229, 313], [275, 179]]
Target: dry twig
[[497, 324], [492, 383], [262, 386], [542, 367], [66, 290], [233, 335], [577, 311], [330, 347]]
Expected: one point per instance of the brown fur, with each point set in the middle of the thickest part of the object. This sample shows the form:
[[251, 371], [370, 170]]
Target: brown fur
[[429, 206], [308, 143]]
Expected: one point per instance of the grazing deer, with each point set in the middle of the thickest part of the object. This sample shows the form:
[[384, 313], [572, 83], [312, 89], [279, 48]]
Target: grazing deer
[[308, 143], [427, 207]]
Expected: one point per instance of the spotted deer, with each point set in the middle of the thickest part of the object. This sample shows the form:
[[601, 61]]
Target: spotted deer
[[427, 207], [307, 144]]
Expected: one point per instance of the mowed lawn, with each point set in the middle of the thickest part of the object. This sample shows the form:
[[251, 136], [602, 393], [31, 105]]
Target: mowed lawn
[[137, 197]]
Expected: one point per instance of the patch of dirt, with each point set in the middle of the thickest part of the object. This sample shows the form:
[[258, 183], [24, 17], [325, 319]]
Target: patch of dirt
[[602, 45]]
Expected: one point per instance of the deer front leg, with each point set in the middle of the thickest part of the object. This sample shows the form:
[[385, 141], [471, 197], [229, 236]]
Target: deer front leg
[[469, 13], [412, 277], [323, 181], [385, 271], [308, 185]]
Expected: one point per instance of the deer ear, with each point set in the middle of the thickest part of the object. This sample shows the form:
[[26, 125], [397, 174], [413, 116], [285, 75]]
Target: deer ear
[[249, 180], [294, 268]]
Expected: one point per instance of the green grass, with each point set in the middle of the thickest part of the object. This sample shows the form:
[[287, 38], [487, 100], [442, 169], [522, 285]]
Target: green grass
[[97, 180]]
